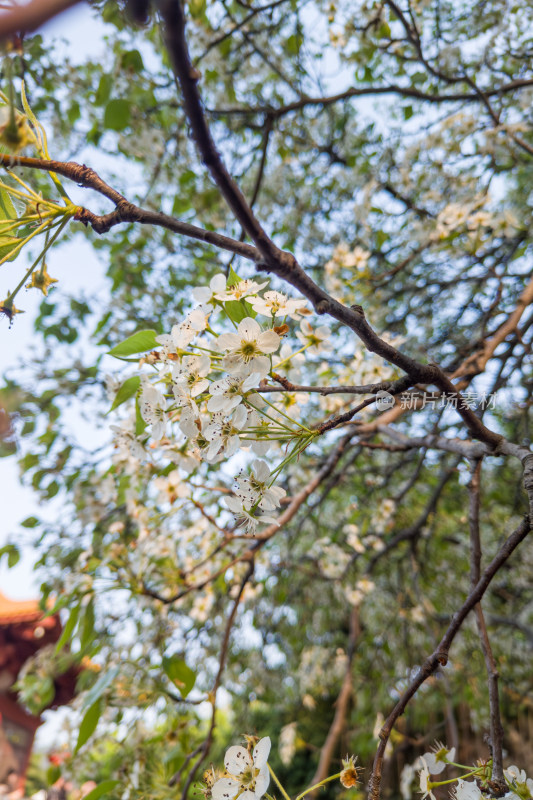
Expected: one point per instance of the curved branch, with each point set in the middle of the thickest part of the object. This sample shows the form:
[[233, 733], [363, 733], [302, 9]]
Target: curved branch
[[362, 91]]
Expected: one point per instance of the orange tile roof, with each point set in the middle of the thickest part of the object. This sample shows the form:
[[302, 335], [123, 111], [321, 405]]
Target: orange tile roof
[[18, 610]]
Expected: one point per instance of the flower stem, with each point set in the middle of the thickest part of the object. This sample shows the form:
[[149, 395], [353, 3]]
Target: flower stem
[[318, 785], [278, 784]]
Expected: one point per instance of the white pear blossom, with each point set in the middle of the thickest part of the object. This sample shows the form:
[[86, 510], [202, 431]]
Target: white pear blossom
[[191, 373], [316, 340], [182, 334], [244, 518], [276, 304], [246, 349], [287, 743], [247, 775], [171, 487], [240, 291], [224, 434], [126, 441], [424, 777], [522, 785], [363, 587], [153, 410], [255, 489], [439, 756], [467, 790], [203, 294], [227, 393]]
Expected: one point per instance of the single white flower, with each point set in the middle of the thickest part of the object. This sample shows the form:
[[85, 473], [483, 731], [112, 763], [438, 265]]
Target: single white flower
[[247, 775], [276, 304], [224, 435], [425, 783], [152, 405], [315, 340], [521, 784], [227, 393], [439, 756], [171, 487], [254, 488], [203, 294], [182, 334], [467, 790], [240, 291], [126, 441], [247, 348], [191, 373]]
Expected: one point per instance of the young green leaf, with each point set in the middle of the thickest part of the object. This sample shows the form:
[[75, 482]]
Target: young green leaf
[[139, 342], [88, 724], [127, 390], [179, 673]]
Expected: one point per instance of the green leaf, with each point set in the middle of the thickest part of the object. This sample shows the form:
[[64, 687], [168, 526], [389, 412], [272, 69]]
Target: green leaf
[[12, 553], [30, 522], [140, 424], [101, 790], [293, 44], [117, 115], [88, 724], [132, 60], [7, 209], [53, 773], [179, 673], [233, 279], [13, 557], [105, 680], [237, 310], [86, 627], [140, 342], [104, 89], [197, 8], [7, 245], [127, 390], [69, 628]]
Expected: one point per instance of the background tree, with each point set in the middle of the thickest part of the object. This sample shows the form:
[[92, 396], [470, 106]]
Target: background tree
[[374, 160]]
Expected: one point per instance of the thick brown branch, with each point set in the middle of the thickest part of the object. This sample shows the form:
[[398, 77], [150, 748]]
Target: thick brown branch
[[174, 31]]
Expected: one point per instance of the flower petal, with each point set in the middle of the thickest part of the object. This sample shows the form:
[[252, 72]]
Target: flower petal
[[224, 789], [248, 329], [268, 342], [229, 341], [237, 759], [261, 782], [261, 752]]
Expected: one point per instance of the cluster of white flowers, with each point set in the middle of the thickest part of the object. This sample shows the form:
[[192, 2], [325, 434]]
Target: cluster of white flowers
[[343, 261], [201, 401]]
